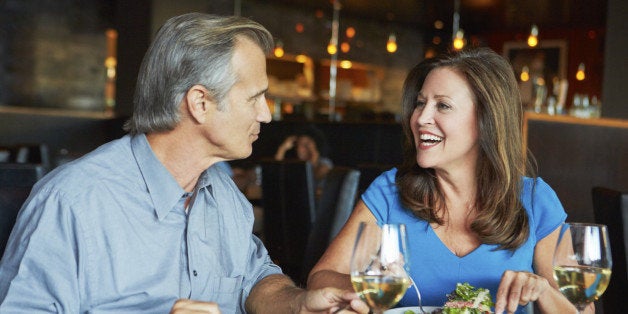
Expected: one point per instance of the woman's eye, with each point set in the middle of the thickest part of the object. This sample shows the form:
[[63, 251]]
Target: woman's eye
[[419, 104], [443, 106]]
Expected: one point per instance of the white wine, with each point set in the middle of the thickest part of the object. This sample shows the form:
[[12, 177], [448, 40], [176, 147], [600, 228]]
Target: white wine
[[380, 292], [582, 284]]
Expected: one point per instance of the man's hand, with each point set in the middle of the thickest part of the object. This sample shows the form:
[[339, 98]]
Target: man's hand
[[185, 306]]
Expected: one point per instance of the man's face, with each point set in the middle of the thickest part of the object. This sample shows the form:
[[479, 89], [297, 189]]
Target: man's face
[[234, 129]]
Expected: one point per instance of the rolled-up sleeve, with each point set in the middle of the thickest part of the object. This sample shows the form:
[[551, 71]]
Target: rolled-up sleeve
[[259, 266]]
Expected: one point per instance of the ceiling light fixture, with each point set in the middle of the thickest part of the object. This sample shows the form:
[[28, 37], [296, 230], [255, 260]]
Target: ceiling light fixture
[[580, 74], [278, 51], [457, 33], [391, 44], [533, 39]]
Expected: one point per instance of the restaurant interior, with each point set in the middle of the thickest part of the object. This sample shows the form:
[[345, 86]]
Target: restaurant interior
[[68, 70]]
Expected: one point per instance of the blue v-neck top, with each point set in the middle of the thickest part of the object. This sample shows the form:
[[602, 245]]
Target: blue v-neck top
[[436, 269]]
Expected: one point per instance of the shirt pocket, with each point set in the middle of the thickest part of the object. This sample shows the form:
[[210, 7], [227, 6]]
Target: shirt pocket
[[227, 292]]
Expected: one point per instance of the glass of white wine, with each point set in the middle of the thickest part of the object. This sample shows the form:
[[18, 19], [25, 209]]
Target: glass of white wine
[[582, 262], [379, 267]]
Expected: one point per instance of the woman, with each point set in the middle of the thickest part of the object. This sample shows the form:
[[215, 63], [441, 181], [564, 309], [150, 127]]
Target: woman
[[310, 145], [471, 214]]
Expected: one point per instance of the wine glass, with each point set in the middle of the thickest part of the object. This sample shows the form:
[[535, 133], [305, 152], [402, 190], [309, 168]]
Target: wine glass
[[379, 264], [582, 262]]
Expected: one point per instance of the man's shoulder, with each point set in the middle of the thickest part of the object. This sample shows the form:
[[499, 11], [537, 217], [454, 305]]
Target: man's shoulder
[[111, 161]]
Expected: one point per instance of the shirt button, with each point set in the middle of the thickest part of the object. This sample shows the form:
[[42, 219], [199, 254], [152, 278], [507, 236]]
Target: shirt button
[[194, 273]]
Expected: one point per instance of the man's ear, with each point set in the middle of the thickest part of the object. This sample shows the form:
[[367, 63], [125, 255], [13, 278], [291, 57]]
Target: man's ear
[[198, 102]]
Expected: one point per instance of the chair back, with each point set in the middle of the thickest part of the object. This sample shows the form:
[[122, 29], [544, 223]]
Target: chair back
[[333, 209], [611, 209], [26, 154], [16, 181], [289, 210]]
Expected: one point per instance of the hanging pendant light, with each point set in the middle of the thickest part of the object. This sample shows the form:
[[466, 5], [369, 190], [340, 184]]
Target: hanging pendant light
[[278, 51], [459, 40], [391, 44], [580, 74], [332, 48], [525, 74], [457, 32], [533, 39]]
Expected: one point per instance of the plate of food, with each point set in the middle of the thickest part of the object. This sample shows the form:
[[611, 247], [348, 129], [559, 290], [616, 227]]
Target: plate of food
[[464, 299], [413, 310]]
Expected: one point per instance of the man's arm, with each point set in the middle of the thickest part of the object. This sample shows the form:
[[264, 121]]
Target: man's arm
[[278, 294]]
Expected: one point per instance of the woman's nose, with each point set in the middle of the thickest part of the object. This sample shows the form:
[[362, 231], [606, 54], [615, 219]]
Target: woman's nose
[[425, 115]]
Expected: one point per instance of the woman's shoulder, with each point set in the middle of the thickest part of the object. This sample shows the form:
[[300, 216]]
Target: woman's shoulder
[[542, 205]]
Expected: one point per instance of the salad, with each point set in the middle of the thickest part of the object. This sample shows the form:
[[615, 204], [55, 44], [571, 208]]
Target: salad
[[465, 299], [468, 300]]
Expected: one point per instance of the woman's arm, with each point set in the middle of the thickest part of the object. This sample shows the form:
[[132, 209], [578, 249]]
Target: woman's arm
[[552, 301], [332, 270]]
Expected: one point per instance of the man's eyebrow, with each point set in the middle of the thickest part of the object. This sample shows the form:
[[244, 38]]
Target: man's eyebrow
[[262, 92]]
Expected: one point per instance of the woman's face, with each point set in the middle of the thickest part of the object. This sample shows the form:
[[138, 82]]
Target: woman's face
[[305, 147], [444, 123]]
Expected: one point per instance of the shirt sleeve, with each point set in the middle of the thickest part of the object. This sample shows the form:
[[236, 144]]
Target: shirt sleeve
[[39, 271], [547, 211], [381, 195], [260, 266]]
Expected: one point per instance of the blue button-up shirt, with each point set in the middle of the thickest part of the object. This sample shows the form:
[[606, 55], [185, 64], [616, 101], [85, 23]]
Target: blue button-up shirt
[[110, 233]]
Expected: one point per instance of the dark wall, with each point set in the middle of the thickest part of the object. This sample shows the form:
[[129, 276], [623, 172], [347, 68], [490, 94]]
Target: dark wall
[[351, 144], [66, 137]]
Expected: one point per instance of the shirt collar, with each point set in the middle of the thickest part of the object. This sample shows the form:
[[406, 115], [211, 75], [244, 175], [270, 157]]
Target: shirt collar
[[163, 189]]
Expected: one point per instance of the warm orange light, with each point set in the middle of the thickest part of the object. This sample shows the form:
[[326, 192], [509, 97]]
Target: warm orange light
[[301, 58], [533, 39], [391, 45], [459, 40], [436, 40], [278, 51], [350, 32], [525, 74], [346, 64], [332, 49], [110, 62], [345, 47], [458, 43], [430, 53], [580, 74], [299, 27]]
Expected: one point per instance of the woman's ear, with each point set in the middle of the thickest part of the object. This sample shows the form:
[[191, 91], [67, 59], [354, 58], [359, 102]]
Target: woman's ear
[[198, 102]]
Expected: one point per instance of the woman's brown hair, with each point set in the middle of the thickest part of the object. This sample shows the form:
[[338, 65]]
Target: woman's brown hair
[[501, 218]]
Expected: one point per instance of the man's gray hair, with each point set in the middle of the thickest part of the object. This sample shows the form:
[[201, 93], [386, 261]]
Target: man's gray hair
[[190, 49]]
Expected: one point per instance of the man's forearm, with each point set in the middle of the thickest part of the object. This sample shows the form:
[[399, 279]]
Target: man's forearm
[[275, 294], [329, 278]]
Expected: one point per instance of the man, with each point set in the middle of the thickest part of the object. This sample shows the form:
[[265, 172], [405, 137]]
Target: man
[[145, 224]]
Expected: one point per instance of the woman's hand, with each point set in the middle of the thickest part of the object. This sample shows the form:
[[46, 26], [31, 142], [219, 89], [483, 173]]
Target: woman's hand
[[285, 146], [518, 288], [288, 143]]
